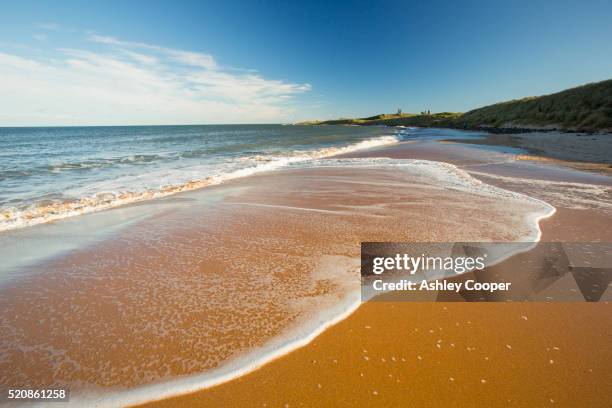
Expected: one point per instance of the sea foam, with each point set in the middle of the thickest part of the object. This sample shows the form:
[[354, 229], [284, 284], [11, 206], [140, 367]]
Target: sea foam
[[107, 197]]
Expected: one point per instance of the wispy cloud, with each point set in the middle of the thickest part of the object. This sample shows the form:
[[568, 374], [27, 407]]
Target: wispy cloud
[[48, 26], [195, 59], [125, 82]]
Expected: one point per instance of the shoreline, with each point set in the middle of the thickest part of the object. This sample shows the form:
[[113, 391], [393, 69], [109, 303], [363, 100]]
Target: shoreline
[[201, 396], [465, 189], [284, 348], [277, 348], [234, 370], [11, 219], [591, 158]]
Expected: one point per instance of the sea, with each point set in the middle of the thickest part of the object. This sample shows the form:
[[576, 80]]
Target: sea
[[49, 173]]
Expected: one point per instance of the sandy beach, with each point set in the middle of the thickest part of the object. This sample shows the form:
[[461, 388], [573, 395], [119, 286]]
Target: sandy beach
[[387, 354], [232, 288], [451, 354], [305, 204]]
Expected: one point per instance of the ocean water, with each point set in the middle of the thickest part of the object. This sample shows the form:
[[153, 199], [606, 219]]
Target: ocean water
[[52, 173]]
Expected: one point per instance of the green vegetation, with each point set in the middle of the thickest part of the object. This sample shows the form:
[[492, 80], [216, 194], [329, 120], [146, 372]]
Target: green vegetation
[[443, 119], [585, 108]]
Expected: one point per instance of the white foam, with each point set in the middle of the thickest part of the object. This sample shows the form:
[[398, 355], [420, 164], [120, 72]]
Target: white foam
[[561, 193], [448, 176], [234, 369], [13, 218]]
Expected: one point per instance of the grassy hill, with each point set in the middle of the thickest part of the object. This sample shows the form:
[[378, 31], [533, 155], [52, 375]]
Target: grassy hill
[[587, 107], [443, 119], [584, 108]]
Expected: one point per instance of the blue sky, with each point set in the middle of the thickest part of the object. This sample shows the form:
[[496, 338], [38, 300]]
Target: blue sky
[[168, 62]]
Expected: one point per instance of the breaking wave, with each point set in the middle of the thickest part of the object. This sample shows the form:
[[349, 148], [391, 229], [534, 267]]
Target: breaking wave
[[55, 209]]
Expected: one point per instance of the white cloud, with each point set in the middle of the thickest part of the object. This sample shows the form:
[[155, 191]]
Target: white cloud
[[9, 61], [141, 58], [192, 58], [49, 26], [136, 83], [195, 59], [104, 39]]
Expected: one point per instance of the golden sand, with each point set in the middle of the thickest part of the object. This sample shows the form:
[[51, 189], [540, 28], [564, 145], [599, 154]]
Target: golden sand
[[200, 284], [203, 284], [438, 355], [446, 354]]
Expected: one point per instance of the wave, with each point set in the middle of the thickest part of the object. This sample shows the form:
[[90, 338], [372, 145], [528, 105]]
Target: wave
[[450, 176], [99, 163], [46, 211]]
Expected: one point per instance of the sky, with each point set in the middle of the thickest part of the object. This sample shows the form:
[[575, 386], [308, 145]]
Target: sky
[[199, 62]]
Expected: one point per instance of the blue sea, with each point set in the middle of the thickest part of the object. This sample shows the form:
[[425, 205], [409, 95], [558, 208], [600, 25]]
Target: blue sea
[[52, 173]]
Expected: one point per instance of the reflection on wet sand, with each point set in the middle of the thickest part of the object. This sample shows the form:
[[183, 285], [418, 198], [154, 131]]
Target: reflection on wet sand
[[520, 354], [215, 285]]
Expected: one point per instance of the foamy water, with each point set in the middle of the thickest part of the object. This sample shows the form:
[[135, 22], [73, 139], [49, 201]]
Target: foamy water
[[48, 174], [560, 193]]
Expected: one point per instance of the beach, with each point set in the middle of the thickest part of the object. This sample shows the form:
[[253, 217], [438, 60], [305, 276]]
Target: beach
[[450, 354], [313, 204], [387, 354], [247, 291]]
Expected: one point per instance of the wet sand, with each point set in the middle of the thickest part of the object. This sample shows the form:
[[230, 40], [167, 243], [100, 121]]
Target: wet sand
[[217, 282], [386, 354], [454, 354], [207, 287], [583, 151], [563, 146]]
